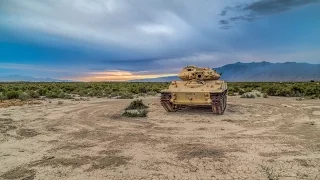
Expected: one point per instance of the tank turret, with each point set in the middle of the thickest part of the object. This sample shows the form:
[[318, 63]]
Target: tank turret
[[199, 87], [193, 72]]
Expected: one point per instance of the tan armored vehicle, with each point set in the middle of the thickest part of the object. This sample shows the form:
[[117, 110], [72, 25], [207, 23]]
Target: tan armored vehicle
[[199, 87]]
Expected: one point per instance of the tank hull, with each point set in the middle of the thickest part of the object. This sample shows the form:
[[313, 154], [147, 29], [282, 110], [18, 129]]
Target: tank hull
[[210, 93]]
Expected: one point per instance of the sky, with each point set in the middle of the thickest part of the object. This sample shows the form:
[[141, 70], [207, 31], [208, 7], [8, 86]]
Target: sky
[[116, 40]]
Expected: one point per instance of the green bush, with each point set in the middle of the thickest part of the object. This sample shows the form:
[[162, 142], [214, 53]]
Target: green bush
[[12, 95], [136, 104], [33, 94], [42, 92], [52, 94], [248, 95], [125, 96], [152, 93], [137, 113], [61, 95], [3, 97], [24, 96]]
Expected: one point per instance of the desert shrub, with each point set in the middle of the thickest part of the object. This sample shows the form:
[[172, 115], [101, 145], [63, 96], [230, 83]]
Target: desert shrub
[[82, 92], [152, 93], [284, 92], [136, 113], [33, 94], [52, 94], [95, 93], [248, 90], [24, 96], [142, 94], [62, 95], [42, 91], [248, 95], [137, 104], [231, 90], [113, 94], [241, 91], [271, 91], [143, 89], [297, 89], [12, 95], [136, 109], [125, 96], [2, 89], [2, 96]]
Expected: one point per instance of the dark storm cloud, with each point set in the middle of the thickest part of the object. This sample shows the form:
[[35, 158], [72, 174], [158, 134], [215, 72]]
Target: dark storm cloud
[[274, 6], [253, 11]]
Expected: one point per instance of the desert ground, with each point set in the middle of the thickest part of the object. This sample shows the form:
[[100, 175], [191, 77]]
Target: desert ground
[[273, 138]]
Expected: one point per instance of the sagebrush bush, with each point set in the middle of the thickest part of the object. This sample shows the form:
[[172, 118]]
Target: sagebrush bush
[[33, 94], [12, 95], [24, 96], [136, 104], [248, 95], [125, 96], [3, 97], [137, 113]]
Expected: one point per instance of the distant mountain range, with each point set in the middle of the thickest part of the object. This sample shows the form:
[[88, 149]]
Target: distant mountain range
[[237, 72], [260, 72], [17, 78]]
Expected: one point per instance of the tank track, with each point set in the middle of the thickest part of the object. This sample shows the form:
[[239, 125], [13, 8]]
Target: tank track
[[165, 102], [218, 105], [219, 102]]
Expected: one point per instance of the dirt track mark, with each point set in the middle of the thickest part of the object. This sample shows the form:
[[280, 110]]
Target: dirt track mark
[[20, 173], [95, 162], [189, 151], [27, 133], [6, 124]]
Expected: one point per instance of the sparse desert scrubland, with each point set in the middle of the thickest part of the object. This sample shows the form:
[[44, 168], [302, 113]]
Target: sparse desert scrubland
[[129, 90], [90, 138]]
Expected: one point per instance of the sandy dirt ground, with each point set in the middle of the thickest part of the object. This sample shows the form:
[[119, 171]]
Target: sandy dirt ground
[[274, 138]]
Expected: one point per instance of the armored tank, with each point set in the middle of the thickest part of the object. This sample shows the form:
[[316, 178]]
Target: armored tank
[[199, 87]]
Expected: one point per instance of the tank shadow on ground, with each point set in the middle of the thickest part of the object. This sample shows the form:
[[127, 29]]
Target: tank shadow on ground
[[195, 110]]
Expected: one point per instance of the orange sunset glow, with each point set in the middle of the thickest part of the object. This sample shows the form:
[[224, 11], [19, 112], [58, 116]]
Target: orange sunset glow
[[117, 76]]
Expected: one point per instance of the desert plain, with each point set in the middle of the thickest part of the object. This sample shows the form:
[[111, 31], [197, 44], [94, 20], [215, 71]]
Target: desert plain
[[263, 138]]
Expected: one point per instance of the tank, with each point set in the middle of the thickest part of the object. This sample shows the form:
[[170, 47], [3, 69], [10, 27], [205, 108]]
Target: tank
[[198, 87]]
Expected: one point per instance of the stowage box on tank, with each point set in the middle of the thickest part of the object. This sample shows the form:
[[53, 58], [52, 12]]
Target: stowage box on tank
[[199, 87]]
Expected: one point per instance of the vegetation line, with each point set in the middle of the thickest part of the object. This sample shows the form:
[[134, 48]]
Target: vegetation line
[[128, 90]]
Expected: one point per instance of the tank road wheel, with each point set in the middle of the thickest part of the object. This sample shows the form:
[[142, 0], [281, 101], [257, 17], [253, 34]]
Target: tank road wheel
[[219, 102], [167, 105]]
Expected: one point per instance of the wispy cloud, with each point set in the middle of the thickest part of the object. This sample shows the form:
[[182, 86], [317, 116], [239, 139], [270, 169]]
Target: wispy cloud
[[30, 67], [250, 11]]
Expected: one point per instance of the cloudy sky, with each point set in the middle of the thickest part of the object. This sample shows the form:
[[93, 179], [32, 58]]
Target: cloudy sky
[[96, 40]]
